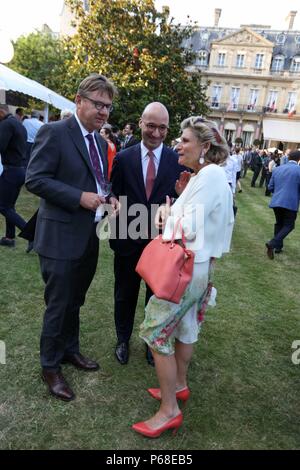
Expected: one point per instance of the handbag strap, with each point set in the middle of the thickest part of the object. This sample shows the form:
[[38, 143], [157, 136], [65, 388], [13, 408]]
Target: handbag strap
[[177, 225]]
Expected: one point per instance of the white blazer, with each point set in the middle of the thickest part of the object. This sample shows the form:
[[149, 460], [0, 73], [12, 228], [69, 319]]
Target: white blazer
[[205, 208]]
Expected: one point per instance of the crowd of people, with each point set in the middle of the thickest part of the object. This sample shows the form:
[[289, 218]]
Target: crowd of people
[[82, 169]]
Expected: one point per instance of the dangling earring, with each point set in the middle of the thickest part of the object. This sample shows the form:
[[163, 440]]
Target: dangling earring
[[202, 159]]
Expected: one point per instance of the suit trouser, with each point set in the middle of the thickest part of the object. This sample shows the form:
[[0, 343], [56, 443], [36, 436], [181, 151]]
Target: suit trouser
[[11, 182], [245, 169], [268, 178], [263, 177], [127, 286], [255, 175], [285, 223], [67, 282]]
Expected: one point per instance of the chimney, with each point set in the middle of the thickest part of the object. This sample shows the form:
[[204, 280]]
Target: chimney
[[218, 12], [291, 17]]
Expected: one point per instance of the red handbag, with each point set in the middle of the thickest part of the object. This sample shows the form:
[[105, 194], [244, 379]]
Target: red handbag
[[166, 267]]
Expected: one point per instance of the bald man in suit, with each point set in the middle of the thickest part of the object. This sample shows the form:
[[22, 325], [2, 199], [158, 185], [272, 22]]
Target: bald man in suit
[[145, 173]]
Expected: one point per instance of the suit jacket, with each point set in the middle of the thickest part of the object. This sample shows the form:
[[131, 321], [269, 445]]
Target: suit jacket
[[132, 141], [256, 161], [12, 141], [285, 186], [58, 172], [127, 180]]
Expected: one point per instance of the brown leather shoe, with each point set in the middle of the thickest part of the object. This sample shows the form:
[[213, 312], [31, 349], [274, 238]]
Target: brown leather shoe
[[270, 251], [57, 385], [81, 362]]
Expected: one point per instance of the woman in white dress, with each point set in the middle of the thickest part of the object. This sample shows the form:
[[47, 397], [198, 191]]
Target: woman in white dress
[[206, 216]]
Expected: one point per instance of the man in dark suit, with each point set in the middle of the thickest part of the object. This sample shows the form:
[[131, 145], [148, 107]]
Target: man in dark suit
[[128, 131], [67, 170], [285, 186], [13, 152], [145, 174], [255, 165]]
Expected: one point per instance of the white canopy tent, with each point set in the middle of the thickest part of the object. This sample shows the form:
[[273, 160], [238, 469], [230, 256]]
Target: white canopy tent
[[279, 129], [11, 80]]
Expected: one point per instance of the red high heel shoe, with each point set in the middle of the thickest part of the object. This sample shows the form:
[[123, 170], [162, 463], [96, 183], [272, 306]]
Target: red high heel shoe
[[182, 395], [173, 423]]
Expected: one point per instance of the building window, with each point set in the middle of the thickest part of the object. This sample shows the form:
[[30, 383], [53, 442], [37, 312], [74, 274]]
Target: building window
[[229, 136], [247, 138], [295, 66], [216, 96], [278, 63], [259, 59], [280, 38], [291, 103], [253, 98], [204, 36], [234, 99], [221, 59], [271, 101], [240, 61], [202, 58]]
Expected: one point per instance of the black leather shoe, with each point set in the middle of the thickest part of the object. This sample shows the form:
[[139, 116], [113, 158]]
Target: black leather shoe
[[122, 353], [57, 385], [7, 242], [81, 362], [149, 357], [29, 247], [270, 251]]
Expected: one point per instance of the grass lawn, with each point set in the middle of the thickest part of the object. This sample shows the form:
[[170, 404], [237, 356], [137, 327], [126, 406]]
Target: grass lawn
[[245, 388]]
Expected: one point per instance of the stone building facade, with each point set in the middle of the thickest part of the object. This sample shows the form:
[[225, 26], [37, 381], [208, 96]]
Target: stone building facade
[[253, 76]]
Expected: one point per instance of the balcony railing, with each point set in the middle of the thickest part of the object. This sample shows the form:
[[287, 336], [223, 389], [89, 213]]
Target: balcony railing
[[209, 68], [240, 108], [246, 108]]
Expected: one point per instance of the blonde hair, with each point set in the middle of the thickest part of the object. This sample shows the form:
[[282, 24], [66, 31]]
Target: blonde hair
[[207, 132]]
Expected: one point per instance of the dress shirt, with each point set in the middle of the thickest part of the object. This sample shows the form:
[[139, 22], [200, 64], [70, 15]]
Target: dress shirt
[[32, 125], [85, 133], [145, 159]]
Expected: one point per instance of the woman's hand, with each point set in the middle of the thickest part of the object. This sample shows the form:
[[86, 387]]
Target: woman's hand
[[162, 214], [181, 184], [116, 206]]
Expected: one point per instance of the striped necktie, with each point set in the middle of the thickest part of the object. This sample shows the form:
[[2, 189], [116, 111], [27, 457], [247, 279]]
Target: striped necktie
[[95, 160]]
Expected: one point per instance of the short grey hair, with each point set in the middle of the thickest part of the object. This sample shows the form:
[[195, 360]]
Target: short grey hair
[[207, 132], [66, 113], [96, 82]]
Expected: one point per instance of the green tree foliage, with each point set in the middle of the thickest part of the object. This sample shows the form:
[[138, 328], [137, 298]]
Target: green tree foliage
[[41, 57], [140, 49]]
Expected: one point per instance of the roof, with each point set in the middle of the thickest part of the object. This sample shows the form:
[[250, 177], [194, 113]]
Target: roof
[[11, 80], [286, 42]]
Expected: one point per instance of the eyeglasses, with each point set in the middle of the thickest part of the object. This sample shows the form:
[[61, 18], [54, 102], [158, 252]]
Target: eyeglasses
[[99, 105], [152, 127]]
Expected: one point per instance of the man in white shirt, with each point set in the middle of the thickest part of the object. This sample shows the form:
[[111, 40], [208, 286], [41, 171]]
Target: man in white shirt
[[32, 125]]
